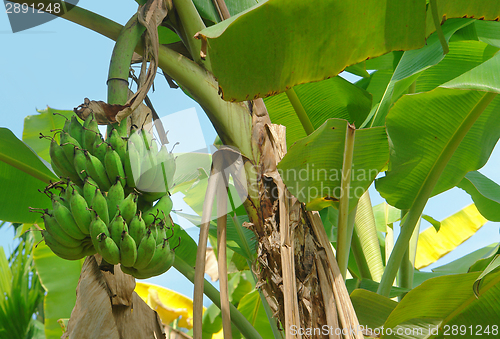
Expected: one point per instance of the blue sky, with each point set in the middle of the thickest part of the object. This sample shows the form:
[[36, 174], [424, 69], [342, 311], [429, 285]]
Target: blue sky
[[59, 64]]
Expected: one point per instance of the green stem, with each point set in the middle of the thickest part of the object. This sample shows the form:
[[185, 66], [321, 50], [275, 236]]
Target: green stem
[[190, 24], [211, 292], [344, 229], [437, 24], [406, 268], [424, 194], [119, 67], [300, 111]]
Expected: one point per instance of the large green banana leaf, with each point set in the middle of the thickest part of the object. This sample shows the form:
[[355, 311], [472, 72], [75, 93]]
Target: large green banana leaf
[[411, 64], [295, 42], [435, 121], [484, 192], [465, 263], [454, 230], [251, 307], [443, 302], [463, 56], [366, 230], [371, 308], [479, 9], [281, 43], [22, 174], [312, 168], [46, 123], [331, 98]]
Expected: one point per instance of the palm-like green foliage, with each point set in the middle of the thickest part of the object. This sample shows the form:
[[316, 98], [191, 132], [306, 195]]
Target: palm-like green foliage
[[21, 294]]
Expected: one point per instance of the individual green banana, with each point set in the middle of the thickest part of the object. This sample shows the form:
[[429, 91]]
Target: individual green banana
[[118, 144], [100, 147], [148, 171], [161, 267], [164, 205], [137, 228], [96, 170], [59, 199], [59, 161], [65, 219], [100, 206], [80, 211], [68, 144], [132, 165], [107, 248], [128, 207], [97, 226], [136, 139], [161, 233], [90, 133], [161, 261], [128, 250], [89, 188], [80, 163], [145, 251], [116, 227], [68, 192], [114, 198], [163, 178], [76, 129], [55, 230], [68, 253], [114, 166]]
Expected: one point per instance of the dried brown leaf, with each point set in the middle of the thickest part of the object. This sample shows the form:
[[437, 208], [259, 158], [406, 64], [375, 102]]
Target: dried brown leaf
[[150, 16], [95, 317]]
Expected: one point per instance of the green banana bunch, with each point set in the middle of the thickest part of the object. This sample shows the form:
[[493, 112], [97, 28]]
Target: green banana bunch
[[115, 200]]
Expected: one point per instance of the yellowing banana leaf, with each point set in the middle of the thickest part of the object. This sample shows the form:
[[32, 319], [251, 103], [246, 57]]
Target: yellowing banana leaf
[[169, 304], [454, 230], [22, 174], [484, 192], [295, 42], [59, 278], [331, 98], [479, 9], [448, 301], [312, 168]]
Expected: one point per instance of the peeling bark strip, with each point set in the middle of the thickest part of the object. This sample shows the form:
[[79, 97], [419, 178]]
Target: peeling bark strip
[[318, 284], [108, 308]]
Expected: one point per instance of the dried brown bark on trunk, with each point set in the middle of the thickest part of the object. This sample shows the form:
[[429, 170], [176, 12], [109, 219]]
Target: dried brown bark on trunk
[[317, 279]]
